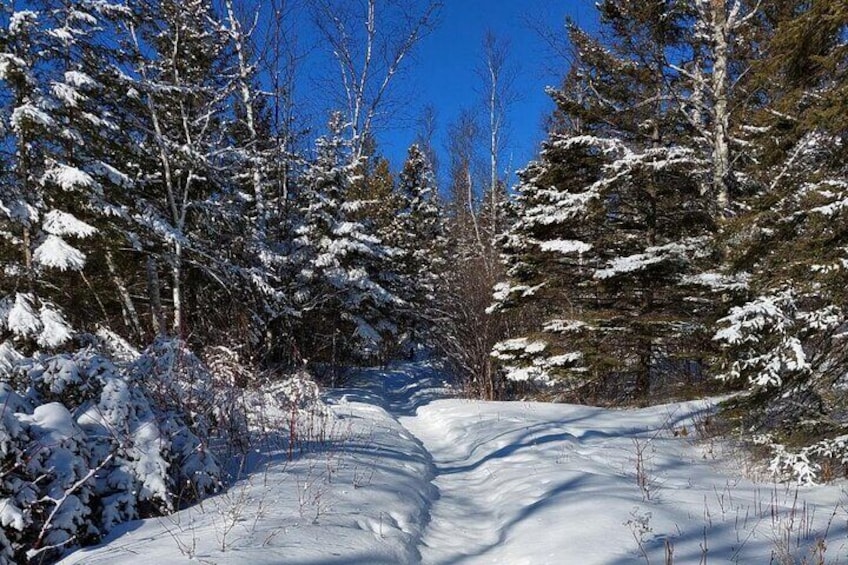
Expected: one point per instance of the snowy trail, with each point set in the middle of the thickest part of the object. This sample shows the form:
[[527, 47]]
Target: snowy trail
[[413, 476], [497, 495], [492, 498], [530, 483]]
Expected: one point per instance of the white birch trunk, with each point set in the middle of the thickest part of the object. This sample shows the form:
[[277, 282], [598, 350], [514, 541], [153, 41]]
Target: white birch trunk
[[177, 289], [155, 298], [123, 292], [721, 118], [238, 38]]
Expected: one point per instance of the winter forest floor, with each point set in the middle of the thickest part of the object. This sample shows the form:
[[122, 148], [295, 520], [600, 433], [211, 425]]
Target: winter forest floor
[[407, 474]]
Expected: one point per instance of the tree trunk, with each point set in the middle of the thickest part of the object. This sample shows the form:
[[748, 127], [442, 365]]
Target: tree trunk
[[132, 313], [157, 316], [177, 289], [250, 118], [721, 118], [27, 248]]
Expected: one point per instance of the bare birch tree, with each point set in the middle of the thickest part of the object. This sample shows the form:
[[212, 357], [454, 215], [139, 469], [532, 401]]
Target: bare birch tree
[[717, 29], [183, 104], [497, 76], [370, 41], [281, 59], [244, 83]]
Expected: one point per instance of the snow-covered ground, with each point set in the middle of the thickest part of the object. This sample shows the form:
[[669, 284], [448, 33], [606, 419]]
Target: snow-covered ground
[[409, 475]]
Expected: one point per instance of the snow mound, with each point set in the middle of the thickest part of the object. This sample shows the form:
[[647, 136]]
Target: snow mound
[[408, 476]]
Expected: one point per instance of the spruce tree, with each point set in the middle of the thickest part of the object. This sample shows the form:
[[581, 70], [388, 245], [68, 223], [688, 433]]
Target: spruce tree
[[59, 170], [417, 232], [613, 221], [338, 261], [784, 341]]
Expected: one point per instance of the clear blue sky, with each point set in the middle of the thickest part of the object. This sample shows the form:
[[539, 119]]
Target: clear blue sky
[[443, 72]]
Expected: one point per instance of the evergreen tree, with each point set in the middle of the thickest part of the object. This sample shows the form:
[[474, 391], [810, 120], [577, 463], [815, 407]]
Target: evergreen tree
[[338, 262], [613, 221], [784, 345], [58, 166], [417, 232]]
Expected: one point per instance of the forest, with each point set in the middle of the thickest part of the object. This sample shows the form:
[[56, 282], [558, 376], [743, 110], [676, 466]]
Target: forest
[[177, 241]]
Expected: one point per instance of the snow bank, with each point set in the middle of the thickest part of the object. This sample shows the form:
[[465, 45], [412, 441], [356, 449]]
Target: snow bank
[[407, 476], [361, 495], [530, 483]]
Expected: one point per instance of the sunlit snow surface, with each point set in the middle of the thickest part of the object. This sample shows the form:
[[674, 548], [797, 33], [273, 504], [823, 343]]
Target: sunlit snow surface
[[410, 476]]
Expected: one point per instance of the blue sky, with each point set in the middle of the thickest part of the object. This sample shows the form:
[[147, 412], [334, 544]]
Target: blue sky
[[443, 72]]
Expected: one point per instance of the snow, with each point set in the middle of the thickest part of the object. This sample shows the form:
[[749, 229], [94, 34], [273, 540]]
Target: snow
[[67, 93], [9, 356], [407, 474], [565, 246], [11, 515], [61, 223], [19, 21], [112, 174], [505, 350], [52, 423], [57, 254], [504, 291], [80, 79], [22, 319], [56, 330], [70, 178], [719, 281], [27, 113], [743, 322], [10, 63], [564, 326], [564, 359], [675, 251]]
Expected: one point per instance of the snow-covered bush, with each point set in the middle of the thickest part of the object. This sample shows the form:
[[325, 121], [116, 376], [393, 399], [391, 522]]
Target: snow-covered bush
[[87, 444], [17, 491], [292, 406], [179, 380], [230, 377], [60, 461], [769, 330], [183, 394], [807, 465], [45, 493], [26, 318]]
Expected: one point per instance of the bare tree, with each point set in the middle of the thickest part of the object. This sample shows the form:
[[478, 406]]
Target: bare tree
[[244, 85], [498, 77], [467, 332], [426, 133], [718, 25], [183, 104], [370, 41], [463, 141], [282, 59]]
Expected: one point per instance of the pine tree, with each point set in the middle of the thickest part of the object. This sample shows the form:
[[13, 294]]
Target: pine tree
[[612, 221], [784, 345], [338, 261], [417, 232], [58, 172]]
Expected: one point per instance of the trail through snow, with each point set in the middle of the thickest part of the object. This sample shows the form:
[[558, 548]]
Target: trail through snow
[[411, 475]]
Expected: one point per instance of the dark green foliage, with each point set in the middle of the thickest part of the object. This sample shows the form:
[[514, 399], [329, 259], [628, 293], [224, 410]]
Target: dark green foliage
[[613, 223], [784, 341]]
